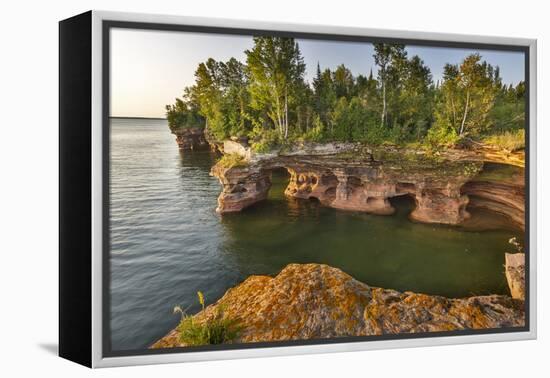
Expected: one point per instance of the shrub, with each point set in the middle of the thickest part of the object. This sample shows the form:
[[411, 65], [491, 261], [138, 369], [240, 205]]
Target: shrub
[[217, 330], [232, 160], [265, 140], [509, 140], [315, 133], [439, 136]]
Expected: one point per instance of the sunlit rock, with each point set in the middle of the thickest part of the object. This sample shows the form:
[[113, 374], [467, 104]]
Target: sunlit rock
[[354, 180], [314, 301], [515, 274]]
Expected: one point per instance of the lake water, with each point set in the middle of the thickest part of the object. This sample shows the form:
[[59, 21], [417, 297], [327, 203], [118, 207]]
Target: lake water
[[167, 242]]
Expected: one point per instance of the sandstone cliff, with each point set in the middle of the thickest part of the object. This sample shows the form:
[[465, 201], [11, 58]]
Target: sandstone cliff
[[354, 177], [313, 301], [191, 139]]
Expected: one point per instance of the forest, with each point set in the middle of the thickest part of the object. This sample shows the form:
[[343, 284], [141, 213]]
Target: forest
[[268, 101]]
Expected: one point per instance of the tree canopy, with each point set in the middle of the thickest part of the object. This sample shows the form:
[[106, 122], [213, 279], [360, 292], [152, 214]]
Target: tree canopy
[[268, 100]]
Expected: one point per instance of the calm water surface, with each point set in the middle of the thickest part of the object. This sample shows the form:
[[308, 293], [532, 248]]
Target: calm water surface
[[168, 242]]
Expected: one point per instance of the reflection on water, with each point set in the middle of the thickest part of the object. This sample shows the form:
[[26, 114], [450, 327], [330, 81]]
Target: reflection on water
[[168, 242]]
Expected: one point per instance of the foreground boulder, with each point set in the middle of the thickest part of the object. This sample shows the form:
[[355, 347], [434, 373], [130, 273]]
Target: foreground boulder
[[313, 301]]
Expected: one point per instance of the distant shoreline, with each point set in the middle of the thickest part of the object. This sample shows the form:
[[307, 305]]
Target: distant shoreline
[[152, 118]]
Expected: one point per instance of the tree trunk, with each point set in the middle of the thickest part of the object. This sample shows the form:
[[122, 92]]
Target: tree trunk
[[286, 114], [383, 117], [465, 112], [278, 113], [454, 112]]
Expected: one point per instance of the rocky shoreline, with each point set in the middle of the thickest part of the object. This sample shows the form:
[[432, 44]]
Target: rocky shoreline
[[191, 139], [315, 301]]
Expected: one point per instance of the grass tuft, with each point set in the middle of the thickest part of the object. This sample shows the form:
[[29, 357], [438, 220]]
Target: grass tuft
[[509, 141], [217, 330]]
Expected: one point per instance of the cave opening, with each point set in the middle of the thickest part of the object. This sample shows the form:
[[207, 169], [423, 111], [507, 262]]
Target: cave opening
[[403, 204], [280, 178]]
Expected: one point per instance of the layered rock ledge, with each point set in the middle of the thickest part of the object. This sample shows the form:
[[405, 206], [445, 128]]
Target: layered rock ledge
[[353, 177], [191, 139], [501, 193], [314, 301]]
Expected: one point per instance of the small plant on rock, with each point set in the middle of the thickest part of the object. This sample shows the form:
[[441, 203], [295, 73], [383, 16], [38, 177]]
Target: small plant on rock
[[514, 241], [218, 329], [232, 160]]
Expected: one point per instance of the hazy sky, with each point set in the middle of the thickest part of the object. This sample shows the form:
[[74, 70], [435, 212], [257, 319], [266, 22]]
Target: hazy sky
[[149, 69]]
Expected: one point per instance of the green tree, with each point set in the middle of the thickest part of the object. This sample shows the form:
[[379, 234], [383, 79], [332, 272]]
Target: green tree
[[276, 69], [207, 93], [390, 59], [236, 99], [467, 97], [508, 112], [350, 120], [183, 114], [343, 82], [221, 92], [324, 97], [415, 99], [304, 109]]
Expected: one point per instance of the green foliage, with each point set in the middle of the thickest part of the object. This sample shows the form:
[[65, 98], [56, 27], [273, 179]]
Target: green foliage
[[509, 140], [508, 113], [232, 160], [220, 91], [350, 120], [182, 115], [265, 140], [317, 132], [467, 97], [218, 329], [442, 135], [277, 69], [268, 100]]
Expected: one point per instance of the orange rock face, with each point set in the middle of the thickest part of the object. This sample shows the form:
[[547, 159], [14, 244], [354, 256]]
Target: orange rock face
[[504, 196], [361, 184], [314, 301], [241, 187], [442, 186]]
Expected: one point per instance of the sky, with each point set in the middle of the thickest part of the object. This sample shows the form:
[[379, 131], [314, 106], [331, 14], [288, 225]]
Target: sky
[[149, 69]]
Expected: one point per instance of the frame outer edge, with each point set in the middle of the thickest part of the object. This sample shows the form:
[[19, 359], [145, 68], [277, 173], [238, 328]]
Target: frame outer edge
[[533, 189], [97, 354], [97, 192]]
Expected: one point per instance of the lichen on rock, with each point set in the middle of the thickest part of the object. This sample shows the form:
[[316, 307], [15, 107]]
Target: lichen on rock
[[316, 301]]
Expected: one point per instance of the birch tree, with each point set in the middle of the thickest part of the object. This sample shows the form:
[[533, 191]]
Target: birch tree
[[391, 61], [467, 97], [276, 70]]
